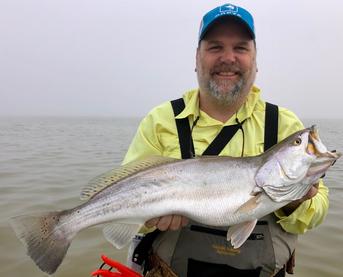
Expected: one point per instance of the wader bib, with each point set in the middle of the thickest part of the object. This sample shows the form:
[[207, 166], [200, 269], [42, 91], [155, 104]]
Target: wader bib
[[198, 250]]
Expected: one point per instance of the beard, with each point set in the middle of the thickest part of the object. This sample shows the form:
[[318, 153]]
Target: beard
[[225, 92]]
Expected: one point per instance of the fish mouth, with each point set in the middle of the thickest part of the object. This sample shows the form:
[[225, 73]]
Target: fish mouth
[[324, 157], [319, 168]]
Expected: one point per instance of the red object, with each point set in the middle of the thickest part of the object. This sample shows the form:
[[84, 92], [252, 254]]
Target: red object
[[123, 270]]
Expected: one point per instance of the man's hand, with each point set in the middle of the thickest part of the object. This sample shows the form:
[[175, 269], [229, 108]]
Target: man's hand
[[291, 207], [168, 222]]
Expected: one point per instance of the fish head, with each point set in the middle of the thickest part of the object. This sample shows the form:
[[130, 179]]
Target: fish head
[[304, 154], [290, 168], [323, 158]]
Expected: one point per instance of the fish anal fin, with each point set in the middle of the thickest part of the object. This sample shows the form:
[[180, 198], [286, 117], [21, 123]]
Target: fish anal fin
[[239, 233], [120, 234], [250, 205]]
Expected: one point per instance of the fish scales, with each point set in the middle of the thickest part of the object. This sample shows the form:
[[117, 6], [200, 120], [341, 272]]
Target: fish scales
[[191, 192]]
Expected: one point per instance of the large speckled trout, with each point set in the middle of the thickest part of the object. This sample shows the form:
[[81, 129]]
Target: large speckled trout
[[217, 191]]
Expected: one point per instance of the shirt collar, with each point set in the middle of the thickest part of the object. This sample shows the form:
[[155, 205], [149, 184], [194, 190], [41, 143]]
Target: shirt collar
[[249, 106], [191, 99]]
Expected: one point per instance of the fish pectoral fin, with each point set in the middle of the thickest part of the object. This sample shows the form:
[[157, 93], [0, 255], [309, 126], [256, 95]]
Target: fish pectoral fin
[[120, 234], [239, 233], [256, 190], [250, 205]]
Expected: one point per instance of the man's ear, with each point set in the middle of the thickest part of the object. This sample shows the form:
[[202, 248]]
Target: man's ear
[[196, 58]]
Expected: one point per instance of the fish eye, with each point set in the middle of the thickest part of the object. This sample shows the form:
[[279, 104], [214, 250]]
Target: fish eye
[[297, 142]]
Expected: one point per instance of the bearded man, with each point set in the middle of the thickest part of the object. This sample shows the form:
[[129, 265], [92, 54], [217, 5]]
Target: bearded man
[[224, 116]]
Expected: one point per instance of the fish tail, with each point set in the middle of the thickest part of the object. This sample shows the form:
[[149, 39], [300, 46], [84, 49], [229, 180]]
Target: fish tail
[[46, 240]]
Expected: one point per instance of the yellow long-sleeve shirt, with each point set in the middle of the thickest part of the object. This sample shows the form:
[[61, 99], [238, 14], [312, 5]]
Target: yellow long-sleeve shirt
[[157, 135]]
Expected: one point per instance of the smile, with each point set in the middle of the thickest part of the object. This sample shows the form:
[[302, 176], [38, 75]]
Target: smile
[[226, 74]]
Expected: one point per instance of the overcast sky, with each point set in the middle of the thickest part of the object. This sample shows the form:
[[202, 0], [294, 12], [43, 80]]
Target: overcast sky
[[121, 58]]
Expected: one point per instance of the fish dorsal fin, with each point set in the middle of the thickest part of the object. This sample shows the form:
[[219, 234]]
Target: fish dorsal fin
[[117, 174]]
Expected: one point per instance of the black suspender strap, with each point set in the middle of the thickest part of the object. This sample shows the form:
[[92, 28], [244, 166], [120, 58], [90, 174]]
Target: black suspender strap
[[271, 126], [183, 130], [185, 135], [226, 134], [222, 139]]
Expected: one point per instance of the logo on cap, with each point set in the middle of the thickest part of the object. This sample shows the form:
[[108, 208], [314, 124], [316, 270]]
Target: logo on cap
[[226, 10], [229, 8]]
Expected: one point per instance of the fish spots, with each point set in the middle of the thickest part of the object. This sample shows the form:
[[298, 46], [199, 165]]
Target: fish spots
[[44, 228]]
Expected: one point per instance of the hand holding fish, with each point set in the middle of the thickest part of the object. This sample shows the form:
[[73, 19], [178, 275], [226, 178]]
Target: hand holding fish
[[291, 207]]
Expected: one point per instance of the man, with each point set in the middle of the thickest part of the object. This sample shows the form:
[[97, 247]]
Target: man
[[226, 70]]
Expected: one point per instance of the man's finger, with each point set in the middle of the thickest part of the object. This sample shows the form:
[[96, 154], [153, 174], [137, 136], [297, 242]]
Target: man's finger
[[152, 222], [184, 221], [175, 223], [164, 222], [312, 192]]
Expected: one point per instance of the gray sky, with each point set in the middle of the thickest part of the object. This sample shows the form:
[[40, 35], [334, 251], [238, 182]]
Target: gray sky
[[121, 58]]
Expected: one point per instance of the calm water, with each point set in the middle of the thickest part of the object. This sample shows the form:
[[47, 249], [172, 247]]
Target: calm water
[[44, 163]]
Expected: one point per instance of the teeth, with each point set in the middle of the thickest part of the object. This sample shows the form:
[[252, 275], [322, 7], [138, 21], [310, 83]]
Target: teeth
[[226, 73]]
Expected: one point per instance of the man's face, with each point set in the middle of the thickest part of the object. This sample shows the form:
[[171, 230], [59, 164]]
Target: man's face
[[226, 62]]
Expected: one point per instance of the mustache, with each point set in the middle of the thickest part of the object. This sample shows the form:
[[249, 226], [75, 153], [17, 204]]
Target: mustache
[[225, 67]]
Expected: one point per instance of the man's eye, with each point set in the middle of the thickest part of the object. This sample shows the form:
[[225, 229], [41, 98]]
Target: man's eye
[[216, 47], [241, 48]]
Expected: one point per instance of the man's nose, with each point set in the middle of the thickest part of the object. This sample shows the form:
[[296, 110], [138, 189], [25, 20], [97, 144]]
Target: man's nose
[[228, 56]]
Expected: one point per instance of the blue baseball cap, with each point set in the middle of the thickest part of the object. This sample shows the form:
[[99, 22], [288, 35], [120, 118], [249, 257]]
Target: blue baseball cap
[[227, 10]]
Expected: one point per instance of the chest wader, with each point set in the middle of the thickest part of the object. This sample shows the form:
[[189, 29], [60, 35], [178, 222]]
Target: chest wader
[[198, 250]]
